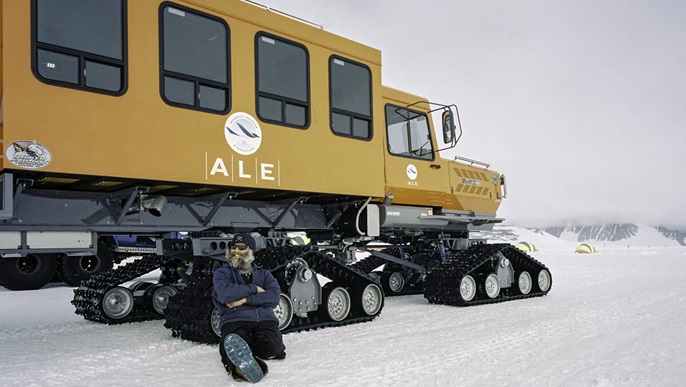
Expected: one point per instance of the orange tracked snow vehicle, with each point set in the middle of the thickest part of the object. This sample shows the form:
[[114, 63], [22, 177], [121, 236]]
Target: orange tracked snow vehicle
[[213, 117]]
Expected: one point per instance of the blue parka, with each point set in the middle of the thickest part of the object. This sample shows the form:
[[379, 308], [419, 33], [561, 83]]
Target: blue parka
[[229, 286]]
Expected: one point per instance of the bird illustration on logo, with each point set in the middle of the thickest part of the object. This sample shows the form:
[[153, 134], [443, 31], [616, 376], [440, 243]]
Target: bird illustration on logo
[[245, 131]]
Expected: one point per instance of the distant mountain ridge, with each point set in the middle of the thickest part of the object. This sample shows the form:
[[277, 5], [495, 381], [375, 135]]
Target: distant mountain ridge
[[611, 233]]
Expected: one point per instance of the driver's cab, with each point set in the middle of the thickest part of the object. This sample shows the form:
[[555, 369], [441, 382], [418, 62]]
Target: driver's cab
[[415, 172]]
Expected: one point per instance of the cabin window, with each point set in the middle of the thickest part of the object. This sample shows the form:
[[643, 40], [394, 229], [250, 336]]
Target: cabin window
[[351, 98], [282, 82], [80, 44], [408, 133], [195, 60]]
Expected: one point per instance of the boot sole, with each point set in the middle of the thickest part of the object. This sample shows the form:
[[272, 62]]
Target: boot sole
[[241, 357]]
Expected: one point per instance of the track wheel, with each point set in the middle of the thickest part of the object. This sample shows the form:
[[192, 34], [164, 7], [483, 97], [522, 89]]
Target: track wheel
[[467, 288], [157, 297], [492, 286], [215, 322], [372, 299], [394, 282], [27, 273], [284, 311], [524, 282], [337, 303], [117, 303], [544, 280]]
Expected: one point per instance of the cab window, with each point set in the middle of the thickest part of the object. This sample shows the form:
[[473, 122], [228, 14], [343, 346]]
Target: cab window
[[80, 44], [282, 82], [408, 133], [351, 98], [195, 60]]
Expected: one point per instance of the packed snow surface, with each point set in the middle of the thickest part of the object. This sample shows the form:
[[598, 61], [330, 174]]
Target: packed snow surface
[[616, 318]]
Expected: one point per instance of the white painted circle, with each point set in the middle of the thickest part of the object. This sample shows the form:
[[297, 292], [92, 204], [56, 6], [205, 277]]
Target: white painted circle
[[243, 133], [411, 172]]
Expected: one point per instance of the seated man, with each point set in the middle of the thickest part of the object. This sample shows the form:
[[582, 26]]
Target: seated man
[[245, 296]]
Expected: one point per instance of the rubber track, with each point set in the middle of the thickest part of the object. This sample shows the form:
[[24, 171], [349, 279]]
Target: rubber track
[[442, 285], [88, 296], [188, 312], [341, 275]]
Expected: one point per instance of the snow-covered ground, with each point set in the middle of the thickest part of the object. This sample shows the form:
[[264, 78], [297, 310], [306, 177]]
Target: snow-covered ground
[[616, 318]]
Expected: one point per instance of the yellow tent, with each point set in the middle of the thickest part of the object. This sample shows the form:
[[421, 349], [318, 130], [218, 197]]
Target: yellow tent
[[526, 247], [585, 248]]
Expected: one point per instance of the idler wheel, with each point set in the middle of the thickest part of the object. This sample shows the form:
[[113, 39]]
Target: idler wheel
[[544, 280]]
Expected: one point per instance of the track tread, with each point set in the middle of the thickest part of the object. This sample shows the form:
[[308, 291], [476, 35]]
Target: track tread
[[88, 296], [442, 284]]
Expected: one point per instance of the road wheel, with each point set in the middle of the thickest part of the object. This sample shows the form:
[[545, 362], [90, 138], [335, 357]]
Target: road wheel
[[215, 321], [394, 282], [284, 311], [492, 286], [467, 288], [117, 303], [372, 299], [337, 303], [157, 297], [524, 282], [27, 273]]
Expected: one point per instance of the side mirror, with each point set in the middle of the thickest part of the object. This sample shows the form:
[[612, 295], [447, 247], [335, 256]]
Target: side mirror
[[448, 126]]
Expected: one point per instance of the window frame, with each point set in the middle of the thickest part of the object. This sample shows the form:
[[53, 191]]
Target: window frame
[[82, 57], [429, 130], [198, 82], [350, 114], [283, 99]]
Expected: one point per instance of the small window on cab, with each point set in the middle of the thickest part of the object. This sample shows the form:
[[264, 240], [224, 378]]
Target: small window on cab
[[195, 59], [80, 44], [283, 92], [351, 98]]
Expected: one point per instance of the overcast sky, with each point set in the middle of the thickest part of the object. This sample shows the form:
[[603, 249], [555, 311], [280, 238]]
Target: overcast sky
[[581, 104]]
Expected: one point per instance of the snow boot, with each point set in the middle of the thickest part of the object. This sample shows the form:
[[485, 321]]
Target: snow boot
[[246, 367], [239, 377]]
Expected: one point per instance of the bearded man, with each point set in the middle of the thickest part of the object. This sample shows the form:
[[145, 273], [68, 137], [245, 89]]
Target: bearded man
[[245, 296]]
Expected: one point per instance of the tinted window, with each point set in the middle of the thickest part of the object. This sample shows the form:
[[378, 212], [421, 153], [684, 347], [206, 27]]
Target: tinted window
[[81, 43], [92, 26], [351, 106], [408, 133], [282, 81], [195, 60]]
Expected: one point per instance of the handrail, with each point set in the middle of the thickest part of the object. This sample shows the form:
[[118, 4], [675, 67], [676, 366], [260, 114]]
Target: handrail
[[288, 15], [472, 162]]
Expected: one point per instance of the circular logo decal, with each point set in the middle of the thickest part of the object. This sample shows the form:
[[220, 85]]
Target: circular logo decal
[[28, 154], [411, 172], [243, 133]]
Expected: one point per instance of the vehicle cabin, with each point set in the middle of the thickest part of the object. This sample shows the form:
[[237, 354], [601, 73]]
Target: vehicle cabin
[[191, 97]]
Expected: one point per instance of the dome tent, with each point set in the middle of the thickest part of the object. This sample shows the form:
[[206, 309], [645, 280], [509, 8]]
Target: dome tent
[[526, 247], [585, 248]]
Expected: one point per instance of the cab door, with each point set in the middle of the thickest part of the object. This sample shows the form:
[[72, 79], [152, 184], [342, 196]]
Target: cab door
[[415, 174]]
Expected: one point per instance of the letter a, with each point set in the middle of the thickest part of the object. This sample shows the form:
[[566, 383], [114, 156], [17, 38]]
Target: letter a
[[219, 167]]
